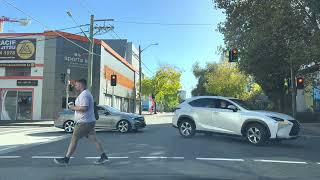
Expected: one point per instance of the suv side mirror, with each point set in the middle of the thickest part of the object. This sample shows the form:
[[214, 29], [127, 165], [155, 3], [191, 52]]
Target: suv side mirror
[[107, 113], [233, 108]]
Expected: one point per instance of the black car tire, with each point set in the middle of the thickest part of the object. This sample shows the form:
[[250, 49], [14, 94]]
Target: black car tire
[[256, 134], [124, 126], [187, 128], [68, 126]]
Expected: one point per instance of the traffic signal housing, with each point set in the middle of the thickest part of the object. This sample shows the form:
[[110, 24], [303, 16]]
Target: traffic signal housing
[[300, 83], [63, 77], [233, 55], [113, 80]]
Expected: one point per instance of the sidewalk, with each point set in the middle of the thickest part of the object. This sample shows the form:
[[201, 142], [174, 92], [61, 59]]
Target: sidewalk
[[18, 138]]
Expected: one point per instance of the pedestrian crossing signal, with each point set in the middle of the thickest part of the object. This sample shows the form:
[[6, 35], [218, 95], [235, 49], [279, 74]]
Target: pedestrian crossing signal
[[113, 80]]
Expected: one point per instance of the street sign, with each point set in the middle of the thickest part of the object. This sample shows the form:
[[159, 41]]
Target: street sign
[[27, 83]]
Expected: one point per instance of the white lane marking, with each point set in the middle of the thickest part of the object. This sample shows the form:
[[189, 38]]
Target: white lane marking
[[153, 157], [9, 157], [160, 157], [277, 161], [175, 157], [108, 157], [220, 159], [47, 157]]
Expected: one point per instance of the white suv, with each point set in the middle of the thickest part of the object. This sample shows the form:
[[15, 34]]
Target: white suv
[[232, 116]]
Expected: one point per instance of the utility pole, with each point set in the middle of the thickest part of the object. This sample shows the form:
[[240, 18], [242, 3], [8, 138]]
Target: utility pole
[[293, 93], [140, 82], [90, 58], [99, 30], [135, 93]]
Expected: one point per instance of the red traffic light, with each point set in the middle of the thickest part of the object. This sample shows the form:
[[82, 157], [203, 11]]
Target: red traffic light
[[300, 83], [113, 80]]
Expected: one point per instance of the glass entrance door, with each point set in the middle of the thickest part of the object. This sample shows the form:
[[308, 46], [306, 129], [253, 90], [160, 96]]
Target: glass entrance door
[[24, 108], [15, 105]]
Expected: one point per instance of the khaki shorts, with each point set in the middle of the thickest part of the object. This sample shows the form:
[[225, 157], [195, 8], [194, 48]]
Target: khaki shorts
[[84, 130]]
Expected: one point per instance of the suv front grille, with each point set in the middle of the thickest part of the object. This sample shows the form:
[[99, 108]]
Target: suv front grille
[[295, 128]]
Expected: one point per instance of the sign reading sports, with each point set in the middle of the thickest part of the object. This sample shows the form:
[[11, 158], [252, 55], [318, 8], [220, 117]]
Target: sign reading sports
[[17, 49]]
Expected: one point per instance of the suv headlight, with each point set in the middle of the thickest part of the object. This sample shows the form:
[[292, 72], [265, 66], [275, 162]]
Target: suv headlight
[[279, 120]]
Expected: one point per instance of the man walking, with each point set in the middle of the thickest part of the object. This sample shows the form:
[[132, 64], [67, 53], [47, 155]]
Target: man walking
[[85, 123]]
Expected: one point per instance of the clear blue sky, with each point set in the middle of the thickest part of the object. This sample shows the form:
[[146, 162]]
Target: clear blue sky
[[178, 45]]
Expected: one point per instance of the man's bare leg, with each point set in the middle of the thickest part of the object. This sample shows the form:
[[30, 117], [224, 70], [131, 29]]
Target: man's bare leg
[[72, 146]]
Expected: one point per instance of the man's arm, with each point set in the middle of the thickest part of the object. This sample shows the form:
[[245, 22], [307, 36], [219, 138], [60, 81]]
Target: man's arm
[[79, 108], [83, 104]]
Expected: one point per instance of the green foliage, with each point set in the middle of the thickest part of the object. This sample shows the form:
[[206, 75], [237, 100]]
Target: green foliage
[[224, 79], [164, 85], [269, 35]]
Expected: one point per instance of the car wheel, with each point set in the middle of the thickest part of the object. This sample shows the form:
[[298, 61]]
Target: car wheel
[[187, 128], [123, 126], [256, 134], [68, 126]]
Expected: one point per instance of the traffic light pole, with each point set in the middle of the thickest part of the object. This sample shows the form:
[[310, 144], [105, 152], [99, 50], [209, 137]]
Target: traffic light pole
[[90, 58], [112, 98], [140, 82], [293, 93], [67, 87]]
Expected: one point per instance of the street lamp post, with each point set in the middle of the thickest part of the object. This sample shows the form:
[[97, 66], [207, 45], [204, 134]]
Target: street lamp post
[[140, 75]]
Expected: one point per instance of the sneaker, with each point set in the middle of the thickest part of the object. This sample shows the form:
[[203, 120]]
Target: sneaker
[[102, 160], [61, 161]]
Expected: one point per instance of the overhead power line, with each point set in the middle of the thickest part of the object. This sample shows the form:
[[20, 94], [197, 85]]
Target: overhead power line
[[45, 26], [55, 31], [165, 24]]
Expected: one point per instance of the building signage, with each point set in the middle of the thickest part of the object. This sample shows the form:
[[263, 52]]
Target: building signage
[[27, 82], [17, 64], [77, 60], [17, 49]]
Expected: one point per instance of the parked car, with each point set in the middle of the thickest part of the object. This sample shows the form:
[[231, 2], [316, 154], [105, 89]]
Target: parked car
[[109, 119], [214, 114]]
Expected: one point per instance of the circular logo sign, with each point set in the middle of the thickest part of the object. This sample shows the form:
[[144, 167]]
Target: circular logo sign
[[25, 49]]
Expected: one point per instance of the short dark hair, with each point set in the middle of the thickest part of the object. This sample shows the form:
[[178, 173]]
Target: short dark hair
[[82, 81]]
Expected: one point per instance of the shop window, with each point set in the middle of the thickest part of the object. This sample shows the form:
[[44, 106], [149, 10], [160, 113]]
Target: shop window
[[18, 71]]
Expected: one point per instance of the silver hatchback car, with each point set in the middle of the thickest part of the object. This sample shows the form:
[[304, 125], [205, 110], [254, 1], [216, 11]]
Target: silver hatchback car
[[109, 119]]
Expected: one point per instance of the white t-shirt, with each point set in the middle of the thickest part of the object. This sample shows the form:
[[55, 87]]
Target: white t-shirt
[[85, 99]]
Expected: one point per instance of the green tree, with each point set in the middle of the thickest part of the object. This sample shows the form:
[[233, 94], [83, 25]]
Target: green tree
[[228, 81], [224, 79], [270, 34], [164, 85], [200, 74]]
